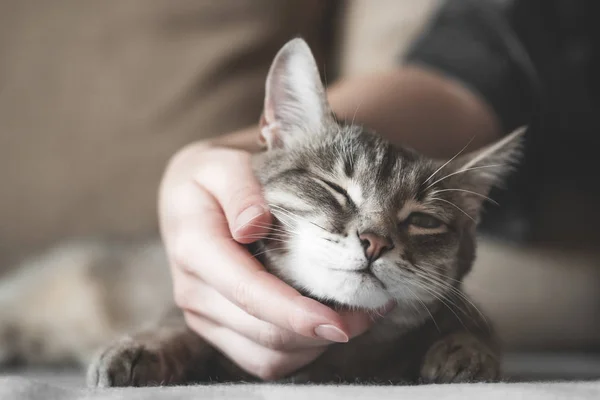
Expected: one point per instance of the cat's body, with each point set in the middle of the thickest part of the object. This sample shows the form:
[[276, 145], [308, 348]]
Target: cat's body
[[63, 305], [359, 223]]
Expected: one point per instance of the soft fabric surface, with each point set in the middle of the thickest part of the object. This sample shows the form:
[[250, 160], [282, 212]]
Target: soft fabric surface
[[544, 368], [22, 388]]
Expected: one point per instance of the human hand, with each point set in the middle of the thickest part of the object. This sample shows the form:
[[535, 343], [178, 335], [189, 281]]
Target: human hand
[[209, 204]]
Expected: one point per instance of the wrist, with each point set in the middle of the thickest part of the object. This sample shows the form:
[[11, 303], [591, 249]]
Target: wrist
[[245, 139]]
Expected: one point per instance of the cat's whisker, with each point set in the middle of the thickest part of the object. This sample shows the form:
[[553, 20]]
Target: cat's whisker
[[277, 240], [441, 298], [296, 217], [266, 235], [285, 223], [448, 162], [281, 217], [455, 206], [269, 234], [433, 270], [285, 220], [356, 111], [462, 171], [269, 251], [416, 309], [456, 292], [452, 279], [281, 234], [268, 227], [462, 296], [444, 288], [276, 208], [261, 238], [468, 304], [373, 314], [469, 191], [425, 306]]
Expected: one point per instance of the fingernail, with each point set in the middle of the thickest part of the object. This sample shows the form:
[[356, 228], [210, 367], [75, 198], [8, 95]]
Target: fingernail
[[247, 216], [331, 333]]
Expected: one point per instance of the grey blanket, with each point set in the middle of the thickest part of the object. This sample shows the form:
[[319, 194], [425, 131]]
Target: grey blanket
[[26, 389]]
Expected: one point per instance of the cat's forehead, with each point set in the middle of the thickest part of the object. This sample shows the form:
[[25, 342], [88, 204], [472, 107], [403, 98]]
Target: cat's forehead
[[370, 167]]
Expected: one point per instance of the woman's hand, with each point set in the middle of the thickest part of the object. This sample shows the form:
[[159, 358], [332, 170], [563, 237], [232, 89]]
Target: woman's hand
[[210, 204]]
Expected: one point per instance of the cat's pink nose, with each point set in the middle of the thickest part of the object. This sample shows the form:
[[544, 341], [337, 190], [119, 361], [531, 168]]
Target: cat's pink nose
[[374, 245]]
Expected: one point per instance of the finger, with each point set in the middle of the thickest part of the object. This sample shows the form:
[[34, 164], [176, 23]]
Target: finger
[[258, 361], [228, 176], [243, 281], [200, 242], [196, 296]]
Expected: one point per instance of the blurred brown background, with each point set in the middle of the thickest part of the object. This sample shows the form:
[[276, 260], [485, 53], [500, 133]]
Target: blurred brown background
[[96, 96]]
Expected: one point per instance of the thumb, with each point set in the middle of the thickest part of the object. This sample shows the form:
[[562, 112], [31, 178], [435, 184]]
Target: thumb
[[228, 176]]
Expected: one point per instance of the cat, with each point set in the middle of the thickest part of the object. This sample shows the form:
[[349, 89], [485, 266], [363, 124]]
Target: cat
[[363, 223]]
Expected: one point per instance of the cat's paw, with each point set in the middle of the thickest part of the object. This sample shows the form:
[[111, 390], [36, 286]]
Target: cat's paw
[[460, 358], [127, 362]]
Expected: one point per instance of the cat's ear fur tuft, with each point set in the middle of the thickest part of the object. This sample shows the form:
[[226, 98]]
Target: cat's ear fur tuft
[[295, 101]]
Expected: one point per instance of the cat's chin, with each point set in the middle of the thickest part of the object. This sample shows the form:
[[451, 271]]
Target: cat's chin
[[366, 295], [337, 306]]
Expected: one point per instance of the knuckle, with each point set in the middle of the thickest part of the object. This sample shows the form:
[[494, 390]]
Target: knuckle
[[183, 298], [188, 320], [243, 296], [190, 151], [196, 324], [191, 322], [181, 252], [219, 158], [243, 197]]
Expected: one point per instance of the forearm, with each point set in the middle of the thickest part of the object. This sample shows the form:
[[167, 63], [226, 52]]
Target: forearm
[[410, 106], [419, 108]]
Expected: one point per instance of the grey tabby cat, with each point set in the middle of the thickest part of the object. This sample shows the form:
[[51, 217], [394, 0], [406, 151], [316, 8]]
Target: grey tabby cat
[[358, 223]]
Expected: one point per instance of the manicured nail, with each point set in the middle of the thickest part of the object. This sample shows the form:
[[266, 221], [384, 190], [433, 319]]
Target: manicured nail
[[331, 333], [247, 216]]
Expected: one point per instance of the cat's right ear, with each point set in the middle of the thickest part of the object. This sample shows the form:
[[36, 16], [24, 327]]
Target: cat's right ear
[[475, 174], [295, 101]]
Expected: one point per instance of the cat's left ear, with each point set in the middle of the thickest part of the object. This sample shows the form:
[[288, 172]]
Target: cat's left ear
[[476, 173], [295, 101]]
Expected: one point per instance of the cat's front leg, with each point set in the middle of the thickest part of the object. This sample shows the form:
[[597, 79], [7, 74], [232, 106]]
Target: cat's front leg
[[460, 357], [167, 355]]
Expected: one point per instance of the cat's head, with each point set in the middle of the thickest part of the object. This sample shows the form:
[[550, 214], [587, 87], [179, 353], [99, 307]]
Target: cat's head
[[360, 222]]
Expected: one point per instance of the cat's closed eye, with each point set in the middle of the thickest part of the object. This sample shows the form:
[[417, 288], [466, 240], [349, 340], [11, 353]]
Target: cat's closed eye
[[423, 220], [337, 191], [421, 223]]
